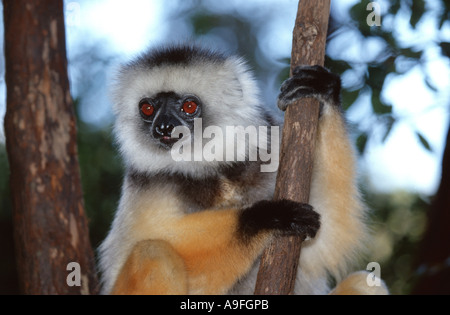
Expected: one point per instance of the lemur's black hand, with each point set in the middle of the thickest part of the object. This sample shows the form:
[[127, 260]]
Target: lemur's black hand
[[310, 81], [285, 217]]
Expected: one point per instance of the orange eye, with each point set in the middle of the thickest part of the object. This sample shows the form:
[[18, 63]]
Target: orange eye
[[189, 107], [147, 109]]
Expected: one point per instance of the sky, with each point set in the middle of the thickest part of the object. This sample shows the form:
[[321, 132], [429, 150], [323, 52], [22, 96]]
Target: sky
[[400, 163]]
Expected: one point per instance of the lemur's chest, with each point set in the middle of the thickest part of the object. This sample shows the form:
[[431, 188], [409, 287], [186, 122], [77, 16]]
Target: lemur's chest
[[217, 193], [234, 187], [207, 193], [159, 200]]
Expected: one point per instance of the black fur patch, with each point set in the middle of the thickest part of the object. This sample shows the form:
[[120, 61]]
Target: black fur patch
[[200, 193], [196, 193], [177, 55], [283, 216]]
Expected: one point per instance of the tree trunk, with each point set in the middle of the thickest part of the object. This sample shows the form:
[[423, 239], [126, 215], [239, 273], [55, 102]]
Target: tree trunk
[[50, 226], [433, 260], [278, 268]]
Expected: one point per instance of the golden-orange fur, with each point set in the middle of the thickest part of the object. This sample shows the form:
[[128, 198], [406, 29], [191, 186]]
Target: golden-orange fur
[[153, 268], [213, 258]]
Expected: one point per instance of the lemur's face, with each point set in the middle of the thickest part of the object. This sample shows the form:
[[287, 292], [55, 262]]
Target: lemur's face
[[157, 102], [166, 111]]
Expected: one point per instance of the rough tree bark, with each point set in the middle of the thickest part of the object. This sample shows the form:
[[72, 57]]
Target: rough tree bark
[[279, 262], [50, 227]]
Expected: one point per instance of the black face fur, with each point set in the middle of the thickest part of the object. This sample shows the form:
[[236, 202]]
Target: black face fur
[[165, 111]]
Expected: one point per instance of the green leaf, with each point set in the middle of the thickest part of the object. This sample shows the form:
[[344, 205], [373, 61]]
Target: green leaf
[[378, 106], [204, 23], [408, 52], [349, 97], [359, 15], [361, 142], [285, 61], [358, 11], [424, 142], [283, 75], [417, 9], [376, 77], [394, 6], [445, 16], [336, 66], [445, 46], [390, 121]]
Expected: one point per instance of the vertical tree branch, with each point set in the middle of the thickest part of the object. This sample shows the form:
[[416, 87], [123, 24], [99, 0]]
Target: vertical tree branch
[[50, 227], [278, 268]]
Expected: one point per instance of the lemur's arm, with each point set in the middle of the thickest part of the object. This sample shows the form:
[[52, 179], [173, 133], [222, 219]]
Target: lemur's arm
[[208, 251]]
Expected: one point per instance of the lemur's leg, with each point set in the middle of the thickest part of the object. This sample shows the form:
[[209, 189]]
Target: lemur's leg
[[361, 283], [152, 268]]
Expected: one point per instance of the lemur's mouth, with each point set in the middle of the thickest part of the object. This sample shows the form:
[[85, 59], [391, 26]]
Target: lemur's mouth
[[168, 141]]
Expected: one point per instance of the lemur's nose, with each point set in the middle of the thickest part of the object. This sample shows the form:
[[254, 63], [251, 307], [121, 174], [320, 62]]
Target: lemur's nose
[[164, 129]]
